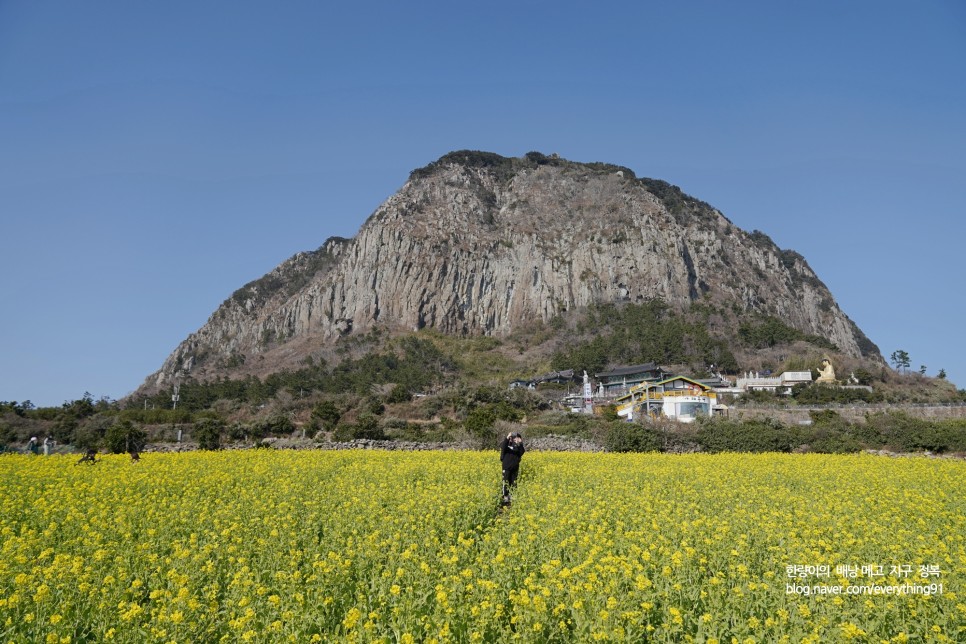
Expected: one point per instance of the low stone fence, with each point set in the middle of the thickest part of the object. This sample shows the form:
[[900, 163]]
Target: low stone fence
[[795, 415], [552, 443], [549, 443]]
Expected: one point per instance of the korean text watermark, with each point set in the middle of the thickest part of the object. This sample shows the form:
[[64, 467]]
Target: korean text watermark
[[922, 579]]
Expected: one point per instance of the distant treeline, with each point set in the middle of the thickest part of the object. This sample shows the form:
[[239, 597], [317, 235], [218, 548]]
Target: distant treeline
[[652, 332], [827, 433], [639, 333], [484, 413], [416, 365]]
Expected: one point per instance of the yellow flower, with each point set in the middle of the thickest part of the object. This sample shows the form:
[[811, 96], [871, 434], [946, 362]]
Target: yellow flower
[[851, 631], [351, 618], [209, 558]]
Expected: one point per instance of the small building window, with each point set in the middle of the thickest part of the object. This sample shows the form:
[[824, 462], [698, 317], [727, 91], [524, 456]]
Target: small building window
[[694, 409]]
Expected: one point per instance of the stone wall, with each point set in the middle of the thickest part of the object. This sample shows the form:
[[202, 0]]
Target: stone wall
[[549, 443], [800, 415]]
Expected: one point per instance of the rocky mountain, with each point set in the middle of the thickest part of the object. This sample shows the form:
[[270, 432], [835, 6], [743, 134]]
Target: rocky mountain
[[477, 243]]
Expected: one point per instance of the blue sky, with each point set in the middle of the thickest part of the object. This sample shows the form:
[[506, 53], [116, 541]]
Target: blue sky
[[154, 157]]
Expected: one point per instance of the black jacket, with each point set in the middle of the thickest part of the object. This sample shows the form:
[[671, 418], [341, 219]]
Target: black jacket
[[510, 454]]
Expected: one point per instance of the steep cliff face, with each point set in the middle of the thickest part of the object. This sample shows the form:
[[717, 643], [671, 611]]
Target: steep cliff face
[[476, 243]]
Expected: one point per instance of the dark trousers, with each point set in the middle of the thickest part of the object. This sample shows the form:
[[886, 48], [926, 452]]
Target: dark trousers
[[510, 476]]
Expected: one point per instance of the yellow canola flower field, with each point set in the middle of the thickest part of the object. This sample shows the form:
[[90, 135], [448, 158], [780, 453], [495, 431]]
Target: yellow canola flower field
[[372, 546]]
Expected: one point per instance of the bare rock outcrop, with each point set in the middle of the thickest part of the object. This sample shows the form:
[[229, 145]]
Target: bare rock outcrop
[[476, 243]]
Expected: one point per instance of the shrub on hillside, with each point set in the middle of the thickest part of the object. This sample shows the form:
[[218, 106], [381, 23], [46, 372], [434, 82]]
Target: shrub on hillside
[[237, 432], [86, 434], [124, 436], [208, 433], [398, 394], [156, 416], [678, 437], [638, 333], [367, 427], [623, 436], [904, 433], [482, 419], [374, 406], [275, 425], [828, 433], [770, 331], [325, 415], [343, 433], [567, 423], [8, 435], [827, 440], [953, 433], [725, 435]]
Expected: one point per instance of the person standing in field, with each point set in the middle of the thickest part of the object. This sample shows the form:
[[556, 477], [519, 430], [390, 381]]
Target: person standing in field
[[511, 452]]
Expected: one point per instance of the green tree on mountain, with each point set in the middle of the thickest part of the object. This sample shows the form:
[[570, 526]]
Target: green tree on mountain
[[900, 360]]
